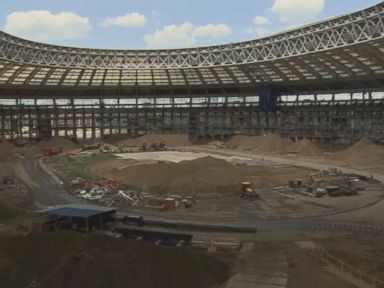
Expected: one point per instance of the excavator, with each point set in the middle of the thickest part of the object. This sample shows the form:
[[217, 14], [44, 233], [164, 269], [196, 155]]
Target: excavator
[[248, 190]]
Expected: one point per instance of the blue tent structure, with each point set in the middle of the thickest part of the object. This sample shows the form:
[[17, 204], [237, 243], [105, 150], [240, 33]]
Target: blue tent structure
[[77, 216]]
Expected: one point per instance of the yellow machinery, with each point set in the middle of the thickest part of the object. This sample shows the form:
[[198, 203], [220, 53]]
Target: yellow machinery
[[248, 190]]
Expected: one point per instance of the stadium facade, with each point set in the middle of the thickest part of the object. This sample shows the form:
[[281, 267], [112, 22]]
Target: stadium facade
[[322, 81]]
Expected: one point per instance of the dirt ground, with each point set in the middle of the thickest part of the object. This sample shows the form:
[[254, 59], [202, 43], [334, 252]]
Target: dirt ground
[[7, 151], [74, 260]]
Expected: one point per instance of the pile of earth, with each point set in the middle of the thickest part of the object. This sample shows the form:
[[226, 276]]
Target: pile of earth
[[269, 143], [70, 260], [171, 140], [363, 153], [66, 144], [305, 147], [7, 151], [203, 175], [116, 138]]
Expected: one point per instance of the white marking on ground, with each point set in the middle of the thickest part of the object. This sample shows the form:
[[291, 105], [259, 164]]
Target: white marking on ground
[[177, 157]]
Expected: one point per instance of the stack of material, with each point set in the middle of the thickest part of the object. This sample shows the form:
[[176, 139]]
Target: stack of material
[[305, 147], [271, 143], [64, 143], [7, 151], [171, 140], [363, 153]]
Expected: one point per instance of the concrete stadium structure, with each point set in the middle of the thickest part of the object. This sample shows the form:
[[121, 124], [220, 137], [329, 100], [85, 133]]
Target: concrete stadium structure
[[322, 81]]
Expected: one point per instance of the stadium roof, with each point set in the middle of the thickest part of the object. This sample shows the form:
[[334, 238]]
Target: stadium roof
[[340, 54]]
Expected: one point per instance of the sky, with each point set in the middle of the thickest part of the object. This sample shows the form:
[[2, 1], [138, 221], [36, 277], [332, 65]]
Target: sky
[[154, 24]]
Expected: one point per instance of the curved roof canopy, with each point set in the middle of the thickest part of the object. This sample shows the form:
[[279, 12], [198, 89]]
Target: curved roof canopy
[[341, 54]]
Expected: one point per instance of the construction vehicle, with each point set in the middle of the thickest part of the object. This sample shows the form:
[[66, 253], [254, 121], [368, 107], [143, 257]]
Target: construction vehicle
[[248, 190], [54, 150]]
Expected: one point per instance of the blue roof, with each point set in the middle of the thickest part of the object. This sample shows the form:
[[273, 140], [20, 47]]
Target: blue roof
[[74, 212]]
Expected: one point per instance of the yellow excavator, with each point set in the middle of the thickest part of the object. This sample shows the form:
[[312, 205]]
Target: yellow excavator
[[248, 190]]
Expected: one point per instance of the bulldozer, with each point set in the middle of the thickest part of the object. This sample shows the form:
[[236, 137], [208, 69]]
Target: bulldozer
[[248, 190]]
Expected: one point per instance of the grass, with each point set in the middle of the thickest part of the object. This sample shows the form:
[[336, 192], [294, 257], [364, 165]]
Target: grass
[[80, 168]]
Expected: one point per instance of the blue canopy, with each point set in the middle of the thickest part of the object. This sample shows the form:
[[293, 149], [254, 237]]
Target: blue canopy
[[74, 212]]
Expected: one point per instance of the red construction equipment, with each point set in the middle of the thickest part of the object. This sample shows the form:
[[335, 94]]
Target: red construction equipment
[[72, 153], [52, 151], [111, 182]]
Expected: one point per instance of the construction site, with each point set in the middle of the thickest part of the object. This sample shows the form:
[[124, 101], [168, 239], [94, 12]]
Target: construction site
[[147, 169]]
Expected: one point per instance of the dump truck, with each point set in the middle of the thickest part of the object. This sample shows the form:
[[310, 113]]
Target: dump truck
[[248, 190], [54, 150]]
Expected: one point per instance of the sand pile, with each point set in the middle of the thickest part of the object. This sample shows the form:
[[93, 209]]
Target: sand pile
[[65, 259], [171, 140], [116, 138], [362, 153], [204, 175], [269, 143], [7, 150], [305, 147], [66, 144], [242, 141]]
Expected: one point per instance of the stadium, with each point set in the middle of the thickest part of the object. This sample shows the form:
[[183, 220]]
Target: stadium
[[257, 163], [321, 81]]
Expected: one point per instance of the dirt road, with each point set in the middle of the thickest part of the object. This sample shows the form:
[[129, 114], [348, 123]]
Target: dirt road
[[44, 188]]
